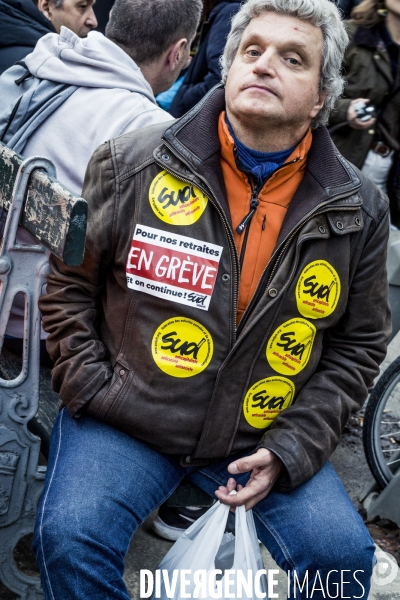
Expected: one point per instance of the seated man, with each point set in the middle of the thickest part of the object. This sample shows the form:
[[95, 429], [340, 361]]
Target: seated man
[[229, 315]]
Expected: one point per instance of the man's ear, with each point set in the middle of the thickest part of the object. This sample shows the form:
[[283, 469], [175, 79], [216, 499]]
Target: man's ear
[[175, 53], [44, 7], [318, 105]]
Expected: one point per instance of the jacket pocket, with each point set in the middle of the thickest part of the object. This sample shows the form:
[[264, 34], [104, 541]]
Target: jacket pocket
[[118, 382]]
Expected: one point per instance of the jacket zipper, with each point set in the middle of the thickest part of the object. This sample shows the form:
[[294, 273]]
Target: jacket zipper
[[254, 203], [244, 225], [234, 254], [281, 249], [253, 207], [236, 264]]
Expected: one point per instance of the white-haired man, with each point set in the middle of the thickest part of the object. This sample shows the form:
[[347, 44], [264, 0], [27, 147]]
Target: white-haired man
[[230, 313]]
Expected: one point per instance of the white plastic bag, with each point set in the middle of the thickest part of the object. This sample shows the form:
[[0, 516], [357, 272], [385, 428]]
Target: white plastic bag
[[188, 569]]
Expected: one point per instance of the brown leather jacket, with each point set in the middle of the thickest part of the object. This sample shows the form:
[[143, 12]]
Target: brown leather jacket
[[143, 333]]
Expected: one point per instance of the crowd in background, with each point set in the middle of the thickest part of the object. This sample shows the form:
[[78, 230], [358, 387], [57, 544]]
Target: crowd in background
[[371, 69]]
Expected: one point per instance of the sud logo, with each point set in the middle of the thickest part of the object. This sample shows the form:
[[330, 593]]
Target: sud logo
[[169, 198], [171, 342], [266, 399], [182, 347], [174, 201], [289, 348], [318, 290]]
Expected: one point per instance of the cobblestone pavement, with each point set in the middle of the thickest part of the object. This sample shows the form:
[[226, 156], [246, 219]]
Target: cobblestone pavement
[[147, 550]]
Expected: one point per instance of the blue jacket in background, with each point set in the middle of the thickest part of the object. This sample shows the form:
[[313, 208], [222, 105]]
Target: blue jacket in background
[[205, 71], [21, 26]]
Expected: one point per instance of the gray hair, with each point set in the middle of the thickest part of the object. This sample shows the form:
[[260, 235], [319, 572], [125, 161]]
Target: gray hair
[[322, 13], [146, 28]]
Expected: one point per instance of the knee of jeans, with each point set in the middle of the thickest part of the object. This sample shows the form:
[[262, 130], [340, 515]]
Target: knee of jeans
[[353, 551], [60, 535]]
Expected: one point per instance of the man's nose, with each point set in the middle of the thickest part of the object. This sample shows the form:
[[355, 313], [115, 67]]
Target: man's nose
[[91, 20], [266, 64]]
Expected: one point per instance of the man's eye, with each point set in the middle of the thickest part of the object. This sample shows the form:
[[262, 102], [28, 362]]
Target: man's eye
[[253, 53], [293, 61]]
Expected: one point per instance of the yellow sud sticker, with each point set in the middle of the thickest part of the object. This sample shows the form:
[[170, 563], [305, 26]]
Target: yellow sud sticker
[[289, 347], [266, 399], [182, 347], [317, 290], [174, 201]]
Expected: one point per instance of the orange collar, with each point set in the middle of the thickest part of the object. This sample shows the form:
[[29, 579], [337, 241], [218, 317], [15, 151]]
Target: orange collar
[[295, 162]]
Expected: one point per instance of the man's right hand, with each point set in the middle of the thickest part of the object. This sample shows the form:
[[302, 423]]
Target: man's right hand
[[355, 123]]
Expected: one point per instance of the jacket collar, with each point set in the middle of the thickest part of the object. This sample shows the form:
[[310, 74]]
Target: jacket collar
[[371, 37], [367, 36], [194, 139]]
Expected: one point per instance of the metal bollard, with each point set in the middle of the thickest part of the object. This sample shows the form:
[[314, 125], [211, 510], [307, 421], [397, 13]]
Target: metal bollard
[[23, 269]]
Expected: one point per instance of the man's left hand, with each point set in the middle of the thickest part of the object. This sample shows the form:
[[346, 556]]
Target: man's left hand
[[265, 469]]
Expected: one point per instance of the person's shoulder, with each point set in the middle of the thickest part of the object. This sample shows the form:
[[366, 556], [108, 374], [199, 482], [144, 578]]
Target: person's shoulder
[[363, 36], [223, 10], [135, 149], [375, 202]]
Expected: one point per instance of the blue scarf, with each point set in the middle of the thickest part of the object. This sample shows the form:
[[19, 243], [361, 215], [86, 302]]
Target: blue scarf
[[260, 165]]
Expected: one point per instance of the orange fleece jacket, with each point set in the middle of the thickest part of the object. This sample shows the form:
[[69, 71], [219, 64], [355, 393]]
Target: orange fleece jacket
[[274, 199]]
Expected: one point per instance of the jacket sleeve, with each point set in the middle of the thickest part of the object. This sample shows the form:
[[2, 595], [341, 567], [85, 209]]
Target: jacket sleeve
[[339, 114], [305, 435], [70, 308], [191, 93]]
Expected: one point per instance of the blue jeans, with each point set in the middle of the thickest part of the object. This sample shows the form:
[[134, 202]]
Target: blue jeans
[[102, 484]]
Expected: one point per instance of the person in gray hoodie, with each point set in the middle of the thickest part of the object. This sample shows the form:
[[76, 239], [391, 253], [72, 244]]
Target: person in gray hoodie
[[114, 80], [98, 88]]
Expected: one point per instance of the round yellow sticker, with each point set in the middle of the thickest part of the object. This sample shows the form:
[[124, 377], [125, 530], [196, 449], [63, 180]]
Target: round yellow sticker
[[266, 399], [289, 347], [174, 201], [317, 290], [182, 347]]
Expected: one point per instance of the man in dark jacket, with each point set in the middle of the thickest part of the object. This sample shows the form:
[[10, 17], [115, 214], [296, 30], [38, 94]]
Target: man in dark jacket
[[21, 25], [371, 68], [205, 69], [230, 313], [77, 15]]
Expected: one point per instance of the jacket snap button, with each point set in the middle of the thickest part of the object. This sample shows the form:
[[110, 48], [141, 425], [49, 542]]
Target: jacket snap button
[[165, 156], [188, 171], [122, 372], [272, 292], [371, 131], [339, 225], [322, 229], [358, 221], [226, 277], [188, 459]]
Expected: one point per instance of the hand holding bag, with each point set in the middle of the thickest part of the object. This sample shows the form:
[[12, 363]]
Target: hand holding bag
[[189, 569]]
